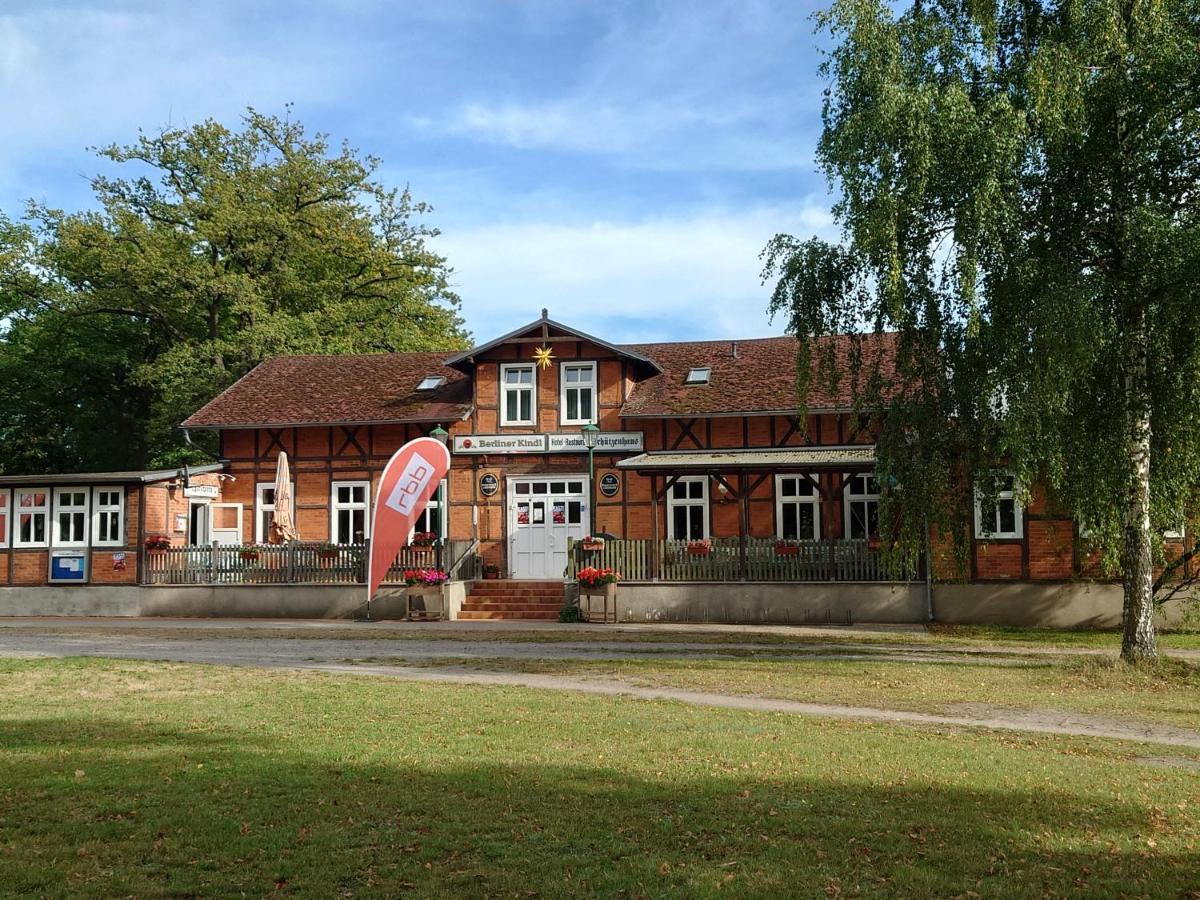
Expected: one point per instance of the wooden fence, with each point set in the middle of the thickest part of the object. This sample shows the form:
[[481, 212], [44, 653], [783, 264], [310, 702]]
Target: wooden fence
[[299, 563], [766, 560]]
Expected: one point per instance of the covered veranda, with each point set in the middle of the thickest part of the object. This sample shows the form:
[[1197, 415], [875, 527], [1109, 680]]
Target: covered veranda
[[737, 475]]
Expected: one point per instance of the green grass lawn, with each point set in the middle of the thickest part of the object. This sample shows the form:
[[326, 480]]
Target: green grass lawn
[[120, 778], [1168, 693]]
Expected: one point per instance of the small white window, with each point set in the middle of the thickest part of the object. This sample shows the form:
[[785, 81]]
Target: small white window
[[698, 375], [71, 517], [431, 518], [1177, 532], [577, 393], [862, 507], [32, 507], [797, 508], [5, 516], [431, 382], [687, 509], [1004, 519], [265, 506], [108, 517], [350, 521], [517, 386]]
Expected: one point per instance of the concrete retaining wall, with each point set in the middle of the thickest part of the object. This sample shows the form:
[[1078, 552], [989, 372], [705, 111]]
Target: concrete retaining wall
[[767, 603], [1064, 605]]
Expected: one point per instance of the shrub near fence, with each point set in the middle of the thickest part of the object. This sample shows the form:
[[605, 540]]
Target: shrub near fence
[[298, 563]]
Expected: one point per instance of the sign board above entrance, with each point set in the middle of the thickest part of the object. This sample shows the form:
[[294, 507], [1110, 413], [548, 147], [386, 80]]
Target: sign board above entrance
[[606, 442], [202, 491]]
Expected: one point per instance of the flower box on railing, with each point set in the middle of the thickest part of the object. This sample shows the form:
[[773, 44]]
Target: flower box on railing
[[157, 543], [592, 544], [787, 548], [699, 548], [248, 555], [873, 542]]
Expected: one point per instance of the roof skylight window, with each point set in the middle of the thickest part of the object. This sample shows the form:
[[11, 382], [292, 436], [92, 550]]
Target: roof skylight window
[[430, 382], [698, 376]]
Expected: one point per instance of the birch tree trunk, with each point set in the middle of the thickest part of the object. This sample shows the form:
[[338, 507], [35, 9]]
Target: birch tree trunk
[[1138, 642]]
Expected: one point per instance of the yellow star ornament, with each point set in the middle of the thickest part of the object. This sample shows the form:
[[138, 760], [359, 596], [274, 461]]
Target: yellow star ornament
[[543, 356]]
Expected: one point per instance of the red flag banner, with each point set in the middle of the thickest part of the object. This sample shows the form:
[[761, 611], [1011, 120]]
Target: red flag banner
[[409, 480]]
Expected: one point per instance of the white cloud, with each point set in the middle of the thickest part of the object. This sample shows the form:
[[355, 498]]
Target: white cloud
[[693, 276]]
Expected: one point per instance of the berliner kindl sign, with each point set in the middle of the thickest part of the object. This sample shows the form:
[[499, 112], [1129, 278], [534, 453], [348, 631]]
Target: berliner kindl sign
[[567, 442]]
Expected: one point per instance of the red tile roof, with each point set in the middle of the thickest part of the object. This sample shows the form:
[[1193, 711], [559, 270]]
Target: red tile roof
[[325, 390], [329, 390], [747, 376]]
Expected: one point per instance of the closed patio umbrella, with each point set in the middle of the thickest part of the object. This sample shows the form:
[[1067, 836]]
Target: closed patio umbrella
[[283, 523]]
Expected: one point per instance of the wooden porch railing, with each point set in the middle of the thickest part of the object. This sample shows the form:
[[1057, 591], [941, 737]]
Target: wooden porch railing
[[838, 560], [296, 563]]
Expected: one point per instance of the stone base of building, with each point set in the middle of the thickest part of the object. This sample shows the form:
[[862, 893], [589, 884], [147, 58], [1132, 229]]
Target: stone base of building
[[1057, 605]]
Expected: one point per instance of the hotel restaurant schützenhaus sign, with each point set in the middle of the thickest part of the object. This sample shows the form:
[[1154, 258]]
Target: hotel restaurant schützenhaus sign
[[569, 442]]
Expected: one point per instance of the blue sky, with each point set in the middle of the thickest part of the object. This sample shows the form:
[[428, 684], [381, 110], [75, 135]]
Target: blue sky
[[621, 163]]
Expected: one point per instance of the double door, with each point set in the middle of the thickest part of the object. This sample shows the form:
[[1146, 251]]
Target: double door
[[544, 512]]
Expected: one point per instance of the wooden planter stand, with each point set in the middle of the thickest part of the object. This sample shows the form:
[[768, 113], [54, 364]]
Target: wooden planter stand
[[426, 602], [599, 603]]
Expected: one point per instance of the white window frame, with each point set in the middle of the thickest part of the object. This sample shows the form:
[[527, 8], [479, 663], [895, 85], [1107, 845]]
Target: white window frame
[[505, 389], [1177, 533], [813, 500], [99, 510], [592, 385], [698, 375], [1018, 513], [849, 498], [673, 502], [43, 510], [57, 536], [335, 507], [6, 515], [260, 537], [444, 492]]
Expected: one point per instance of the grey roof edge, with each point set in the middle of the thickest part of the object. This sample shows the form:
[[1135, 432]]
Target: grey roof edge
[[459, 358], [664, 459], [145, 476]]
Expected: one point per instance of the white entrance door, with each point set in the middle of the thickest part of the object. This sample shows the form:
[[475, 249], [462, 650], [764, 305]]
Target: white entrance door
[[543, 513]]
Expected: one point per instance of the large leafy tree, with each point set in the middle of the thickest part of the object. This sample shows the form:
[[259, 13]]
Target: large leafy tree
[[218, 249], [1018, 186]]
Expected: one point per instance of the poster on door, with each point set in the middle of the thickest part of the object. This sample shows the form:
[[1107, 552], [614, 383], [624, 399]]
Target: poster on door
[[558, 513]]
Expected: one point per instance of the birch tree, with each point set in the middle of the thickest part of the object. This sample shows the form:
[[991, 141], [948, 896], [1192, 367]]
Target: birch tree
[[1017, 184]]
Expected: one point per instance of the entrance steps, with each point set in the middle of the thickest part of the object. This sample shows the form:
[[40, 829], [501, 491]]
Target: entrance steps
[[509, 599]]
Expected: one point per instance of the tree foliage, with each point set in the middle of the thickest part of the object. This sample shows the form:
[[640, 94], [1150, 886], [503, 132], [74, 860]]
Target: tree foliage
[[1018, 192], [217, 249]]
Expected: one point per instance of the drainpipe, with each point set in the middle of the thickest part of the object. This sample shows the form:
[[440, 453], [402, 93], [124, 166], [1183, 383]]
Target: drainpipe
[[928, 573]]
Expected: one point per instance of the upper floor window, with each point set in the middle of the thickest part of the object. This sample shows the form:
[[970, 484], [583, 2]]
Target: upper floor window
[[1003, 517], [5, 496], [797, 508], [70, 517], [108, 507], [687, 509], [517, 385], [577, 393], [349, 513], [862, 507]]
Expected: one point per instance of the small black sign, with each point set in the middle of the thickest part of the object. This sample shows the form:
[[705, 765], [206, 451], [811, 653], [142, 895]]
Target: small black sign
[[609, 485], [489, 484]]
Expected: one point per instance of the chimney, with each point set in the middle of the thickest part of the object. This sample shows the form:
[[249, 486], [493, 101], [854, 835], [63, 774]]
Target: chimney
[[733, 347]]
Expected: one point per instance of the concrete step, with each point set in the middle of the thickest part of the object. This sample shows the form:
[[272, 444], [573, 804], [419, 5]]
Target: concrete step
[[539, 615], [516, 605]]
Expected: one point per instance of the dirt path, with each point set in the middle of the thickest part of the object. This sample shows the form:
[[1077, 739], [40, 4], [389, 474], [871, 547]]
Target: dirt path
[[336, 656]]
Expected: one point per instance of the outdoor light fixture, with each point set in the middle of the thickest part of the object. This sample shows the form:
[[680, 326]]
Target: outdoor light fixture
[[441, 435], [591, 434]]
